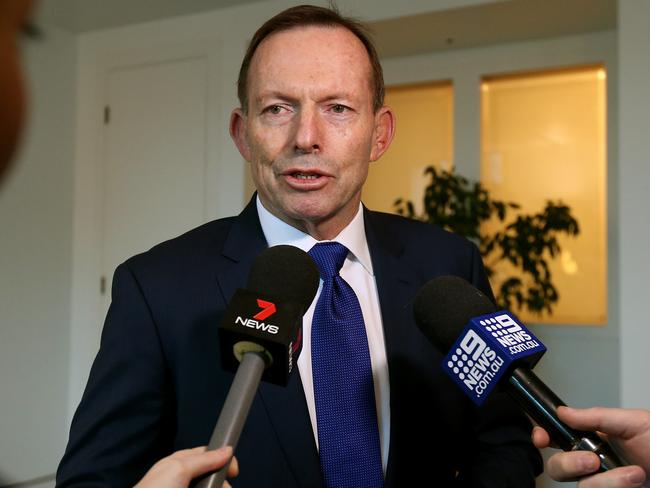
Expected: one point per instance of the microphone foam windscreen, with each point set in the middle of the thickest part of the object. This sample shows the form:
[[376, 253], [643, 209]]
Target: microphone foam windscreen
[[286, 272], [443, 307]]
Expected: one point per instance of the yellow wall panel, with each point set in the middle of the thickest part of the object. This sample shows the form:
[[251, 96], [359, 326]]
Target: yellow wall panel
[[544, 137]]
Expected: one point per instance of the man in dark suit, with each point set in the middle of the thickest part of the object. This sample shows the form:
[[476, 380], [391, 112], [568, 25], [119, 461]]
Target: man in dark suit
[[311, 119]]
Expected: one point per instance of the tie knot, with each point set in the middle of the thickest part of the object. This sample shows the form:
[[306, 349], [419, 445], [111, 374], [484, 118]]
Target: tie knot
[[329, 257]]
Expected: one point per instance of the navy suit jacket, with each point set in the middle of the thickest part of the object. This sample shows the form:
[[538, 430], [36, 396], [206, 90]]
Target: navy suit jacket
[[156, 385]]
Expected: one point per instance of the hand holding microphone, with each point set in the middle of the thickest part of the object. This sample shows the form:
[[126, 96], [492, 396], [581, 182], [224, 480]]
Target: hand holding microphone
[[489, 348], [179, 469], [628, 430]]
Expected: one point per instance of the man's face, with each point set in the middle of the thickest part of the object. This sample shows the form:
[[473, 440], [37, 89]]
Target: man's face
[[310, 130], [13, 16]]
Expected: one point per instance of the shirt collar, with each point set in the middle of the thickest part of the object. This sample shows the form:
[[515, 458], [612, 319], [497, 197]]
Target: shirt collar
[[353, 236]]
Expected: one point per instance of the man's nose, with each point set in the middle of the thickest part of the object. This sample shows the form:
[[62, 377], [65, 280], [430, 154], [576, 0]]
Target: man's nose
[[308, 131]]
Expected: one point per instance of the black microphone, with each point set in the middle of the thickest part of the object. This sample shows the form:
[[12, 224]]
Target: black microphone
[[487, 347], [260, 337]]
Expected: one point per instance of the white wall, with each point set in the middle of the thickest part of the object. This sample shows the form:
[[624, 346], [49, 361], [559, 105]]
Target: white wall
[[36, 204], [634, 183]]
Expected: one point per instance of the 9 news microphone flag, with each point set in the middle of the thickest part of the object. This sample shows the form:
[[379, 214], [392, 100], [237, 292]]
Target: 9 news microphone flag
[[487, 347]]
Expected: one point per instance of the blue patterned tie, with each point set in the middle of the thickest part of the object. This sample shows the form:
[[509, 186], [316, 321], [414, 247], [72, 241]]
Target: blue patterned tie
[[348, 435]]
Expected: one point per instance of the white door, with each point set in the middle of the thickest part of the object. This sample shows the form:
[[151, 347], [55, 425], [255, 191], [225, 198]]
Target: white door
[[154, 157]]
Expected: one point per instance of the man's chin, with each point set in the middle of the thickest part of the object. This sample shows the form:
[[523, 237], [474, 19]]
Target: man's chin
[[312, 210]]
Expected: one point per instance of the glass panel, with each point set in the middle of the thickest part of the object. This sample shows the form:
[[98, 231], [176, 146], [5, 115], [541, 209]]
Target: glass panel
[[544, 137]]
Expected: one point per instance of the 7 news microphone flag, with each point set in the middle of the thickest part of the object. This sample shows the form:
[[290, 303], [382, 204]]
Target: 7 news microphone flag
[[260, 337]]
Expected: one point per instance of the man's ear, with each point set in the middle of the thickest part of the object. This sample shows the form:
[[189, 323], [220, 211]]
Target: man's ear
[[238, 132], [384, 132]]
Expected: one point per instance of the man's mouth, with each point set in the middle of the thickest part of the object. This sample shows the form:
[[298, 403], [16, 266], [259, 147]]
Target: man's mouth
[[306, 180], [305, 176]]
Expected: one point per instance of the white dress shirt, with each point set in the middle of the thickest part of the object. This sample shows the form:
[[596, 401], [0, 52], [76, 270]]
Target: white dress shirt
[[357, 271]]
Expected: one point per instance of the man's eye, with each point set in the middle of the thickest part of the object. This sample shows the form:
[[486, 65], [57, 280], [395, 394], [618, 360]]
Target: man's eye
[[339, 109], [274, 109]]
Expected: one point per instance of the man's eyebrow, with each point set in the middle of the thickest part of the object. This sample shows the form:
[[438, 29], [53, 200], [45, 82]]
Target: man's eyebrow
[[346, 97], [274, 94]]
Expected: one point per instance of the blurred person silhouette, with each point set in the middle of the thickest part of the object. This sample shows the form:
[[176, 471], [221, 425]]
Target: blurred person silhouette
[[14, 20]]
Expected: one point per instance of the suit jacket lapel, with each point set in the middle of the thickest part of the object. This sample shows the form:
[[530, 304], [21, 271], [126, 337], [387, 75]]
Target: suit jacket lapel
[[287, 410], [285, 406], [397, 285], [241, 246]]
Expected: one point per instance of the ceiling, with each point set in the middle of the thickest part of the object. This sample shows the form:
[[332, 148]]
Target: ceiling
[[88, 15], [492, 23], [483, 24]]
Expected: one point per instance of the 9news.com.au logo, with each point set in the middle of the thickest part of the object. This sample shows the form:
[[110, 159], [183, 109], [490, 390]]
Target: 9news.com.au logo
[[486, 349], [474, 363]]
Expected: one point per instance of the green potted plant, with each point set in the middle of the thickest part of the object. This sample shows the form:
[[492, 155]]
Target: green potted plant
[[527, 241]]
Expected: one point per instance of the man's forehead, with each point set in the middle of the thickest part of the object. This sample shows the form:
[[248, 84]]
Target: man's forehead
[[309, 31], [311, 54]]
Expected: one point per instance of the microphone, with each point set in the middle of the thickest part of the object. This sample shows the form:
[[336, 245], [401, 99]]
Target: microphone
[[489, 347], [260, 337]]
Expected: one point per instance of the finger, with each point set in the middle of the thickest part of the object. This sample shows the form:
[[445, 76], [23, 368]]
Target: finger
[[625, 477], [569, 466], [203, 462], [233, 469], [185, 453], [540, 438], [623, 423]]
